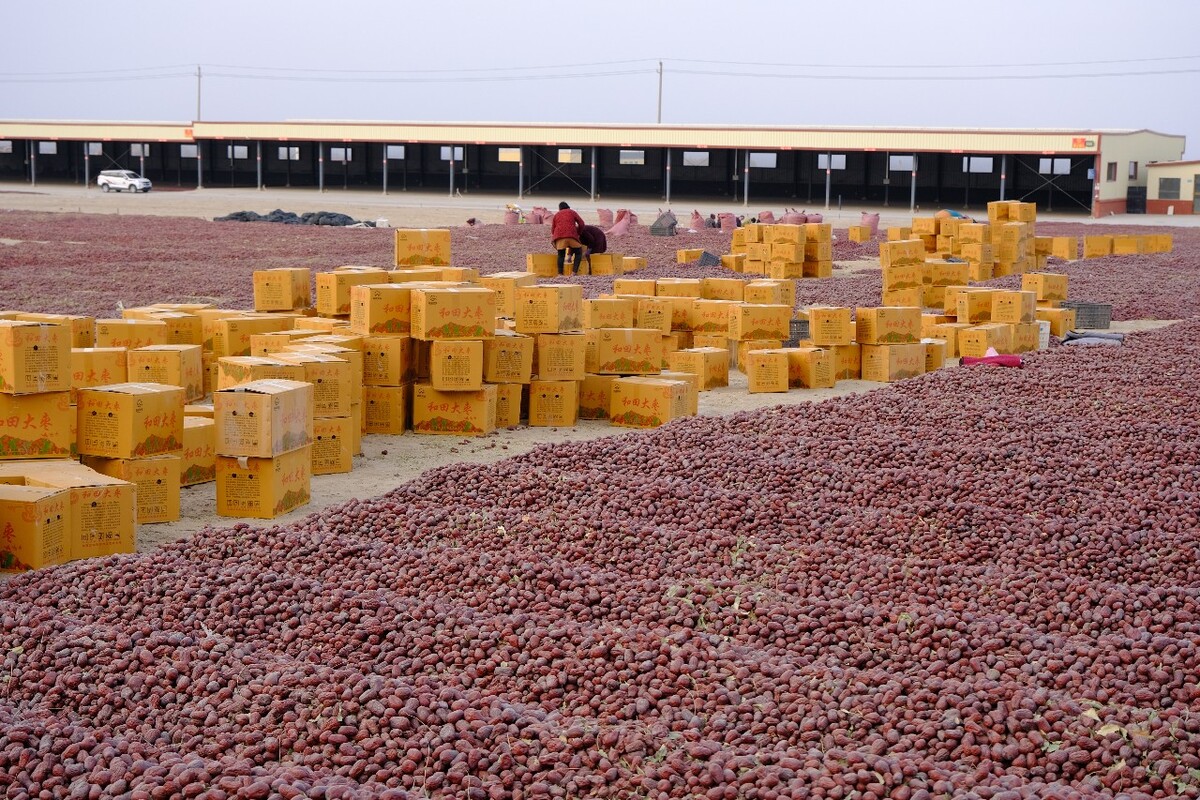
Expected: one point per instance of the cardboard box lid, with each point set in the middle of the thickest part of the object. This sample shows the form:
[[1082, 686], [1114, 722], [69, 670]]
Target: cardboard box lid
[[26, 493], [134, 388], [199, 422], [265, 386]]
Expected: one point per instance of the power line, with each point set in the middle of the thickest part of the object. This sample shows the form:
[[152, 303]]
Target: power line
[[107, 79], [430, 71], [465, 79], [939, 78], [940, 66]]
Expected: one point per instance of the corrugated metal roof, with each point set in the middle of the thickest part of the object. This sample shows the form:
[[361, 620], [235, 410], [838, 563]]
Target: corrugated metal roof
[[1168, 164], [765, 137]]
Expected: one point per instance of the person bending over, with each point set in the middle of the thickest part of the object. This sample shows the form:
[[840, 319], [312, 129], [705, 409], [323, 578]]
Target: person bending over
[[594, 241], [564, 232]]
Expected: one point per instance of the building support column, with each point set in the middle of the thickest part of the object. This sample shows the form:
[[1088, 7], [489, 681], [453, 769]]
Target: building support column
[[87, 167], [1003, 174], [258, 163], [912, 193], [746, 180], [828, 179], [320, 166], [667, 154], [593, 194]]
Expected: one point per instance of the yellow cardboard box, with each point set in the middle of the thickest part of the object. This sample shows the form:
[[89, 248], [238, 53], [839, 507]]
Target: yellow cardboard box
[[818, 269], [102, 515], [34, 357], [829, 325], [847, 359], [1061, 320], [632, 263], [785, 233], [859, 233], [1012, 307], [899, 234], [677, 287], [818, 251], [609, 312], [1024, 337], [157, 479], [454, 313], [561, 356], [749, 321], [171, 364], [734, 261], [902, 253], [743, 349], [97, 366], [711, 364], [885, 363], [974, 305], [549, 308], [454, 413], [508, 404], [1065, 247], [264, 345], [887, 325], [628, 351], [595, 396], [82, 329], [913, 297], [975, 341], [925, 225], [282, 289], [553, 403], [789, 251], [415, 246], [688, 256], [508, 358], [333, 445], [130, 333], [456, 366], [416, 275], [332, 379], [231, 335], [722, 289], [1097, 246], [935, 353], [692, 382], [635, 286], [1129, 245], [385, 409], [378, 309], [264, 488], [644, 402], [34, 526], [656, 313], [818, 231], [1045, 285], [712, 316], [770, 292], [683, 311], [948, 332], [263, 419], [235, 370], [810, 367], [766, 371], [199, 464], [333, 288], [605, 264], [505, 285], [388, 361], [902, 276], [930, 321], [940, 272], [543, 265], [130, 420]]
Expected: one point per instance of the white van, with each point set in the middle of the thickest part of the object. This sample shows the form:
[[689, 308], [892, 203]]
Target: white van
[[122, 179]]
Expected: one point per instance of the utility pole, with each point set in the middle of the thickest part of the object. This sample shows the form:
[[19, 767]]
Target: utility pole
[[198, 77], [660, 93]]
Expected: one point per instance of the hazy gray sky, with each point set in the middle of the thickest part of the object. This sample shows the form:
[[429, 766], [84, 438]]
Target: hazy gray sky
[[724, 62]]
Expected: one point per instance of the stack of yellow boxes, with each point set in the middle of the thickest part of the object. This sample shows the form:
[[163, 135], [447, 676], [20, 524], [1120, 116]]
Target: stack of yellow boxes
[[552, 315], [134, 432], [890, 342], [264, 434], [451, 324], [1050, 290], [382, 314], [830, 328]]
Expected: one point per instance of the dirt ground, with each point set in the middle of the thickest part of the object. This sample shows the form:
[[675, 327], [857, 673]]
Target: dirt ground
[[388, 461]]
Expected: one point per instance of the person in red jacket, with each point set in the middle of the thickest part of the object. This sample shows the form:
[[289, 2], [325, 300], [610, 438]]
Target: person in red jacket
[[564, 232]]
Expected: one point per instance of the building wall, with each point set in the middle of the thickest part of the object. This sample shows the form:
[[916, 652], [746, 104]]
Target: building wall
[[1121, 149], [1188, 173]]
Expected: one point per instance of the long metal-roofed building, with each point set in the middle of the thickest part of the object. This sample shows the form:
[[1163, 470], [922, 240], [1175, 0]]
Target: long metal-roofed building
[[1095, 171]]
